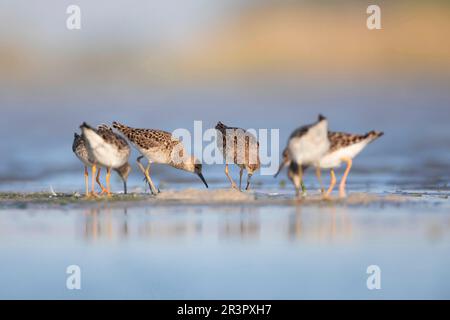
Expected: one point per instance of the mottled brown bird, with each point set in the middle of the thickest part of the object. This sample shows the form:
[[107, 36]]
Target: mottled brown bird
[[240, 147], [109, 150], [343, 148], [159, 146], [80, 150]]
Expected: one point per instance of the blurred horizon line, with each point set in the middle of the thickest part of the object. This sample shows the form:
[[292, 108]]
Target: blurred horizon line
[[268, 39]]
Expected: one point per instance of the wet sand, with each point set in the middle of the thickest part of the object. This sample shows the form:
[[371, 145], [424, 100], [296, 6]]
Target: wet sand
[[208, 198]]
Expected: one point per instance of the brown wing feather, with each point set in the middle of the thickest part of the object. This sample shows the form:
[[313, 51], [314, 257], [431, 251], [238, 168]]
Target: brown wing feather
[[79, 148], [109, 136], [340, 140], [147, 138], [236, 133]]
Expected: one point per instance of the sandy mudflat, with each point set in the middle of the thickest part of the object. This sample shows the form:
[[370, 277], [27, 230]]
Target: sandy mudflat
[[215, 197]]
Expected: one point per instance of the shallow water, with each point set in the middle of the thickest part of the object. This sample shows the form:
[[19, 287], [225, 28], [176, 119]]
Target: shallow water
[[205, 252]]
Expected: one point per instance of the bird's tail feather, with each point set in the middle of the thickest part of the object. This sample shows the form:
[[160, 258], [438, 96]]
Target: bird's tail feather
[[221, 127], [372, 135]]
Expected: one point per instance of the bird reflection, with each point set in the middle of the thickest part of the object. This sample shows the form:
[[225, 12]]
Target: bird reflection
[[172, 227], [98, 223], [242, 223], [124, 227], [326, 224], [108, 224], [295, 224]]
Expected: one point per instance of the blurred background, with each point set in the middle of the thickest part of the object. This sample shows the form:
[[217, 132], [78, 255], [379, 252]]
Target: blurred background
[[249, 63]]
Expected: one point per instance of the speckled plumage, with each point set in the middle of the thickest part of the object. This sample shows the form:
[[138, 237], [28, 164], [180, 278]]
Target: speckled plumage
[[107, 149], [243, 151], [157, 145], [160, 146], [340, 140], [343, 147], [107, 133], [250, 154], [79, 148]]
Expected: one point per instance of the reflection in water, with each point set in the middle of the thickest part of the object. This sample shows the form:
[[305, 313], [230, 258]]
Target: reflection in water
[[295, 224], [245, 222], [327, 224], [105, 223], [98, 224], [169, 228], [124, 227], [265, 248], [242, 224]]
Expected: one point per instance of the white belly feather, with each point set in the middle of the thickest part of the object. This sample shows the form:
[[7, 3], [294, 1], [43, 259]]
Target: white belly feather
[[155, 155], [309, 148], [334, 159], [105, 154]]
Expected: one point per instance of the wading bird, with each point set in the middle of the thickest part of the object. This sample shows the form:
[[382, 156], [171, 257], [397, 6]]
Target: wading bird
[[344, 147], [109, 150], [80, 150], [306, 146], [240, 147], [159, 146]]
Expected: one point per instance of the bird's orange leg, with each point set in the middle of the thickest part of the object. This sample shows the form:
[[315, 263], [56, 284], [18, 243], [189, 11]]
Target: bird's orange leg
[[86, 180], [93, 193], [233, 185], [332, 184], [97, 179], [108, 182], [342, 193]]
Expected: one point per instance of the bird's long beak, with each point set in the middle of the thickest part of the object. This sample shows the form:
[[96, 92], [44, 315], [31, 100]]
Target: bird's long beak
[[248, 181], [203, 179], [282, 164], [125, 187]]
